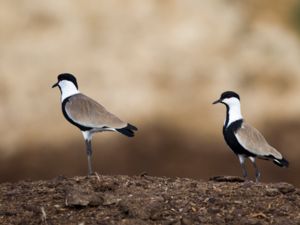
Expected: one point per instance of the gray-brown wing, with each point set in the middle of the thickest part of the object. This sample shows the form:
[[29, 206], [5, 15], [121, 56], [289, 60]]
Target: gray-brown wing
[[87, 112], [252, 140]]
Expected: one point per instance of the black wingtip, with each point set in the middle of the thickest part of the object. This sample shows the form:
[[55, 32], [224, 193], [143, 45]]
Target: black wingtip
[[128, 130], [281, 162], [131, 127]]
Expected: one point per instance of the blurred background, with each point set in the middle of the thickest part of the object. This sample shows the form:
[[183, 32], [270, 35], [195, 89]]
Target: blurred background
[[158, 65]]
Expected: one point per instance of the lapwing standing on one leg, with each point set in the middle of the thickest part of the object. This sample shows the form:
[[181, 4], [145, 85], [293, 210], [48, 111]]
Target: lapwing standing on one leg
[[244, 140], [88, 115]]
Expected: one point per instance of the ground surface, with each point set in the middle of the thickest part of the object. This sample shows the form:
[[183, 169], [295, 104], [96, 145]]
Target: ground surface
[[148, 200]]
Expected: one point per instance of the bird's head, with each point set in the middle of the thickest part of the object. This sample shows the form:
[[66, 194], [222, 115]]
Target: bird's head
[[65, 80], [228, 98]]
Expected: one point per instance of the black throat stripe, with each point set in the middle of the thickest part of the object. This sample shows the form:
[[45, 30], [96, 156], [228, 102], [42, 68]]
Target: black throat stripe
[[227, 116], [231, 140]]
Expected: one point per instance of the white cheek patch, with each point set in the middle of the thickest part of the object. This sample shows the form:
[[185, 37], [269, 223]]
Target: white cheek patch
[[234, 109], [67, 88], [231, 101]]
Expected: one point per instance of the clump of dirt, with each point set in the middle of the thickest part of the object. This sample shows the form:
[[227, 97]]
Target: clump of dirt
[[148, 200]]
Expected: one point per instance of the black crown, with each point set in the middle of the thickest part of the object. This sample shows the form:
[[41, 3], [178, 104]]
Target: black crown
[[69, 77]]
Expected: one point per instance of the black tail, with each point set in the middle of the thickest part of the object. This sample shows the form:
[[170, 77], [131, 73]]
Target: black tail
[[281, 162], [128, 130]]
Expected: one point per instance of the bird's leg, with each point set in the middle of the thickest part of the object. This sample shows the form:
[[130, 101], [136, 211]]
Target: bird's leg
[[242, 162], [88, 143], [245, 174], [257, 173]]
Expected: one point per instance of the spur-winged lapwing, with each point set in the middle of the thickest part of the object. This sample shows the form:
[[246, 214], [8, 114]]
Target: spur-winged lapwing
[[88, 115], [244, 140]]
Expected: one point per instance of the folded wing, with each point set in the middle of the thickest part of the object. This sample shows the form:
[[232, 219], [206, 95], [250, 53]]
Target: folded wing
[[89, 113], [253, 141]]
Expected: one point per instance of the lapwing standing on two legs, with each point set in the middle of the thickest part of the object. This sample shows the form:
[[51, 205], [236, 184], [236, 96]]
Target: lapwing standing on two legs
[[244, 140], [88, 115]]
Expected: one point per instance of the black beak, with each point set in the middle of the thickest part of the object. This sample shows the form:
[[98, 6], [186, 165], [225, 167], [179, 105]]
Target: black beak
[[55, 85], [218, 101]]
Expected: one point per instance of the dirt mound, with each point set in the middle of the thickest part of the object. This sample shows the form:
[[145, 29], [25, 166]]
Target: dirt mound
[[148, 200]]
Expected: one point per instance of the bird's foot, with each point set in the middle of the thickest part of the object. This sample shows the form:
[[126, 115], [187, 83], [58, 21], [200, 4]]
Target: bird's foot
[[257, 177], [91, 174], [94, 174]]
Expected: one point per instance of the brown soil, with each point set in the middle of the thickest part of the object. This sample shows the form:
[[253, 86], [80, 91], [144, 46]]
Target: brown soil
[[148, 200]]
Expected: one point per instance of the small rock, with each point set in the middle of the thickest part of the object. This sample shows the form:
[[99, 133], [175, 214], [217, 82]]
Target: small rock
[[110, 200], [79, 197], [272, 192], [286, 188]]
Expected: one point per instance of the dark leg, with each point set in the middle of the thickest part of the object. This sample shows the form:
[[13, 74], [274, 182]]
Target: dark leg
[[242, 162], [89, 156], [257, 173]]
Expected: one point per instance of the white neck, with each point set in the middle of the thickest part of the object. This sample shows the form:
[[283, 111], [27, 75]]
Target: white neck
[[67, 89], [234, 112]]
